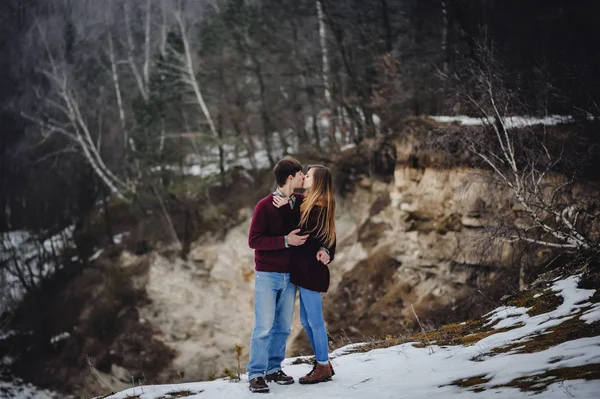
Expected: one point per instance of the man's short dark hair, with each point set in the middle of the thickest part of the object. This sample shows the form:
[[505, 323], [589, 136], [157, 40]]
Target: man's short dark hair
[[287, 166]]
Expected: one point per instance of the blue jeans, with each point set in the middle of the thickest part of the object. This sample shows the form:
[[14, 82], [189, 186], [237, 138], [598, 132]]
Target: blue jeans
[[311, 317], [273, 311]]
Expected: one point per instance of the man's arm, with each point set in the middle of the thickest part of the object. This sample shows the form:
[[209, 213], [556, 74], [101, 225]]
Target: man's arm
[[258, 227]]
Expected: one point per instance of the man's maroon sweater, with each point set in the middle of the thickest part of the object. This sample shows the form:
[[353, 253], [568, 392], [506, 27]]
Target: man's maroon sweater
[[267, 231]]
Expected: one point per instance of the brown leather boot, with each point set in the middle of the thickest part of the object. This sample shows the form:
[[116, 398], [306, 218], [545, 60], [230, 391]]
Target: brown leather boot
[[319, 373], [280, 378], [258, 384], [331, 367]]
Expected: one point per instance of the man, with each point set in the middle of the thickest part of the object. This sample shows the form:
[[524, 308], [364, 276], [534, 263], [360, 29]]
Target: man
[[272, 232]]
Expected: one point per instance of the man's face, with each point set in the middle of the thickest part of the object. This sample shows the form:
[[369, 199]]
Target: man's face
[[298, 180]]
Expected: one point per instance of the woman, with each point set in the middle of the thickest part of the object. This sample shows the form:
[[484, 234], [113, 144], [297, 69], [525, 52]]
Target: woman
[[309, 269]]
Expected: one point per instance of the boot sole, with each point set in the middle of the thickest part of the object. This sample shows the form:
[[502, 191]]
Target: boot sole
[[282, 382], [314, 382], [259, 390]]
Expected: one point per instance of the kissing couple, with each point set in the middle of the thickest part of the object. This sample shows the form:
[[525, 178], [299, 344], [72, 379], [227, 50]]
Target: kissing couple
[[293, 237]]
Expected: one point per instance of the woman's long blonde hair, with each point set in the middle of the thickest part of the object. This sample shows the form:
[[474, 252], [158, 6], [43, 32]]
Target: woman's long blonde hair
[[321, 196]]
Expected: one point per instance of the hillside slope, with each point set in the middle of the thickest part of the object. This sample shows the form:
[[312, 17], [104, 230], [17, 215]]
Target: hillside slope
[[546, 340]]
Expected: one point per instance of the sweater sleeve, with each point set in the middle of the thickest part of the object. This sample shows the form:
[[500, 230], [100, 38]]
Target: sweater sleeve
[[257, 238], [310, 226], [332, 250]]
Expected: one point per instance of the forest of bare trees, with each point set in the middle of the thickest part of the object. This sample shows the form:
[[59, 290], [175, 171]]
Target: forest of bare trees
[[117, 98]]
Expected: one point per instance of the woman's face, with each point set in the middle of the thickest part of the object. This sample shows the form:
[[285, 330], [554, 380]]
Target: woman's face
[[308, 179]]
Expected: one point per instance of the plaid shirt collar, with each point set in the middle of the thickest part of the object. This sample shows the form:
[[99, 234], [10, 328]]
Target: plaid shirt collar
[[292, 200]]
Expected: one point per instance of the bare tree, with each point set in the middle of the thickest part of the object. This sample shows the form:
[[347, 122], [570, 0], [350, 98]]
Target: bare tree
[[184, 67], [526, 162], [64, 115]]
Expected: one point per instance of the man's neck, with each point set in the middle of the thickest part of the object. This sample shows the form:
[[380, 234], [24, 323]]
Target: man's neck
[[286, 190]]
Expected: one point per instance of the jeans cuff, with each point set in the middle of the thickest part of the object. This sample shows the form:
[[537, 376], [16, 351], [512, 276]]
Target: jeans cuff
[[276, 369], [253, 376]]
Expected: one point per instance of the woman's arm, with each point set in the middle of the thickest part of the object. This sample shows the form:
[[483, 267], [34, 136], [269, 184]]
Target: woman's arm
[[312, 226]]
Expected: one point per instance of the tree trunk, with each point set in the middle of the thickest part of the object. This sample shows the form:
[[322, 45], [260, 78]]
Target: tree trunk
[[264, 115], [300, 128], [324, 52], [444, 36], [115, 77], [315, 127], [385, 16], [107, 220]]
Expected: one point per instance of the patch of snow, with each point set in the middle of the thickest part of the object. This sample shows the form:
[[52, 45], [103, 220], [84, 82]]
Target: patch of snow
[[511, 122], [96, 255], [508, 316], [21, 250], [59, 337], [7, 334], [6, 361], [592, 315], [16, 389], [118, 238]]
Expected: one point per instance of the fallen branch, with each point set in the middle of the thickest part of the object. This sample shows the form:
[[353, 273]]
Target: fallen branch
[[422, 329], [97, 375], [360, 382]]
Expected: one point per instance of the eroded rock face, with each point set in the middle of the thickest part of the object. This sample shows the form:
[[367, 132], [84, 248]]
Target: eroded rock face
[[400, 243], [204, 306], [417, 251]]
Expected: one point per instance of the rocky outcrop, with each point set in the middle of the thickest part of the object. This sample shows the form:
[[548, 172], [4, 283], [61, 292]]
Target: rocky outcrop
[[203, 307], [400, 243], [421, 248]]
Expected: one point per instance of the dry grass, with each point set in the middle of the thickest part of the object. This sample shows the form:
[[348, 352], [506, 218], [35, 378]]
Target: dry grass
[[304, 360], [466, 333], [178, 394], [535, 383], [230, 373], [473, 383], [539, 382], [571, 329], [472, 331], [545, 303]]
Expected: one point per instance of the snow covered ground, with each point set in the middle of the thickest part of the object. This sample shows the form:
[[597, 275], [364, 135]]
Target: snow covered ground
[[19, 390], [21, 251], [407, 371]]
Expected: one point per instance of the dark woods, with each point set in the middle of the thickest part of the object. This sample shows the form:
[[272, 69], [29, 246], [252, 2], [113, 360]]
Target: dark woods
[[103, 100]]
